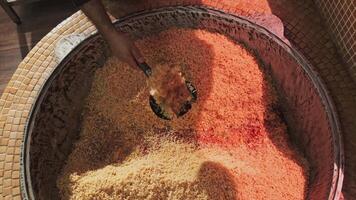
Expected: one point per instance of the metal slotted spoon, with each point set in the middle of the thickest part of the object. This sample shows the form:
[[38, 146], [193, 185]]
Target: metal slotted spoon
[[157, 108]]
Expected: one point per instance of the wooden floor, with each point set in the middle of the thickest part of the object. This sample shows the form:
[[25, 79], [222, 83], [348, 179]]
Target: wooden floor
[[16, 41]]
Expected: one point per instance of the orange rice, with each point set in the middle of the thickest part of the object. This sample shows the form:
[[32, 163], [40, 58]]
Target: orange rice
[[231, 145]]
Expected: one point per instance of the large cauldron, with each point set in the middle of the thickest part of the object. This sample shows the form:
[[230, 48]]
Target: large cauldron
[[306, 106]]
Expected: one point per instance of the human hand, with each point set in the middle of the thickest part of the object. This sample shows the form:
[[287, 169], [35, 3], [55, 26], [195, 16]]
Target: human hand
[[124, 48], [121, 45]]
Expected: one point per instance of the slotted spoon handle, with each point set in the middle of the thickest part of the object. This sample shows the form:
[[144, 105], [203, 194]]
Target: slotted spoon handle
[[145, 68]]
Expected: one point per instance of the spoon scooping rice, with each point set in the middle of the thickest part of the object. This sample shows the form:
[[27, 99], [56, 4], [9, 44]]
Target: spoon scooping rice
[[170, 93]]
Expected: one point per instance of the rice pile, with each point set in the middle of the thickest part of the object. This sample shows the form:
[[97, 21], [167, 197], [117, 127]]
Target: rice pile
[[231, 145]]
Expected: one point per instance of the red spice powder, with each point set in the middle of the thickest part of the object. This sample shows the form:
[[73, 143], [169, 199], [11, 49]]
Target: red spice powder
[[234, 114]]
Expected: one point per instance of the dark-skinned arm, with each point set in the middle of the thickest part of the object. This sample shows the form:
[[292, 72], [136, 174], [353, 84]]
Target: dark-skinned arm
[[120, 44]]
